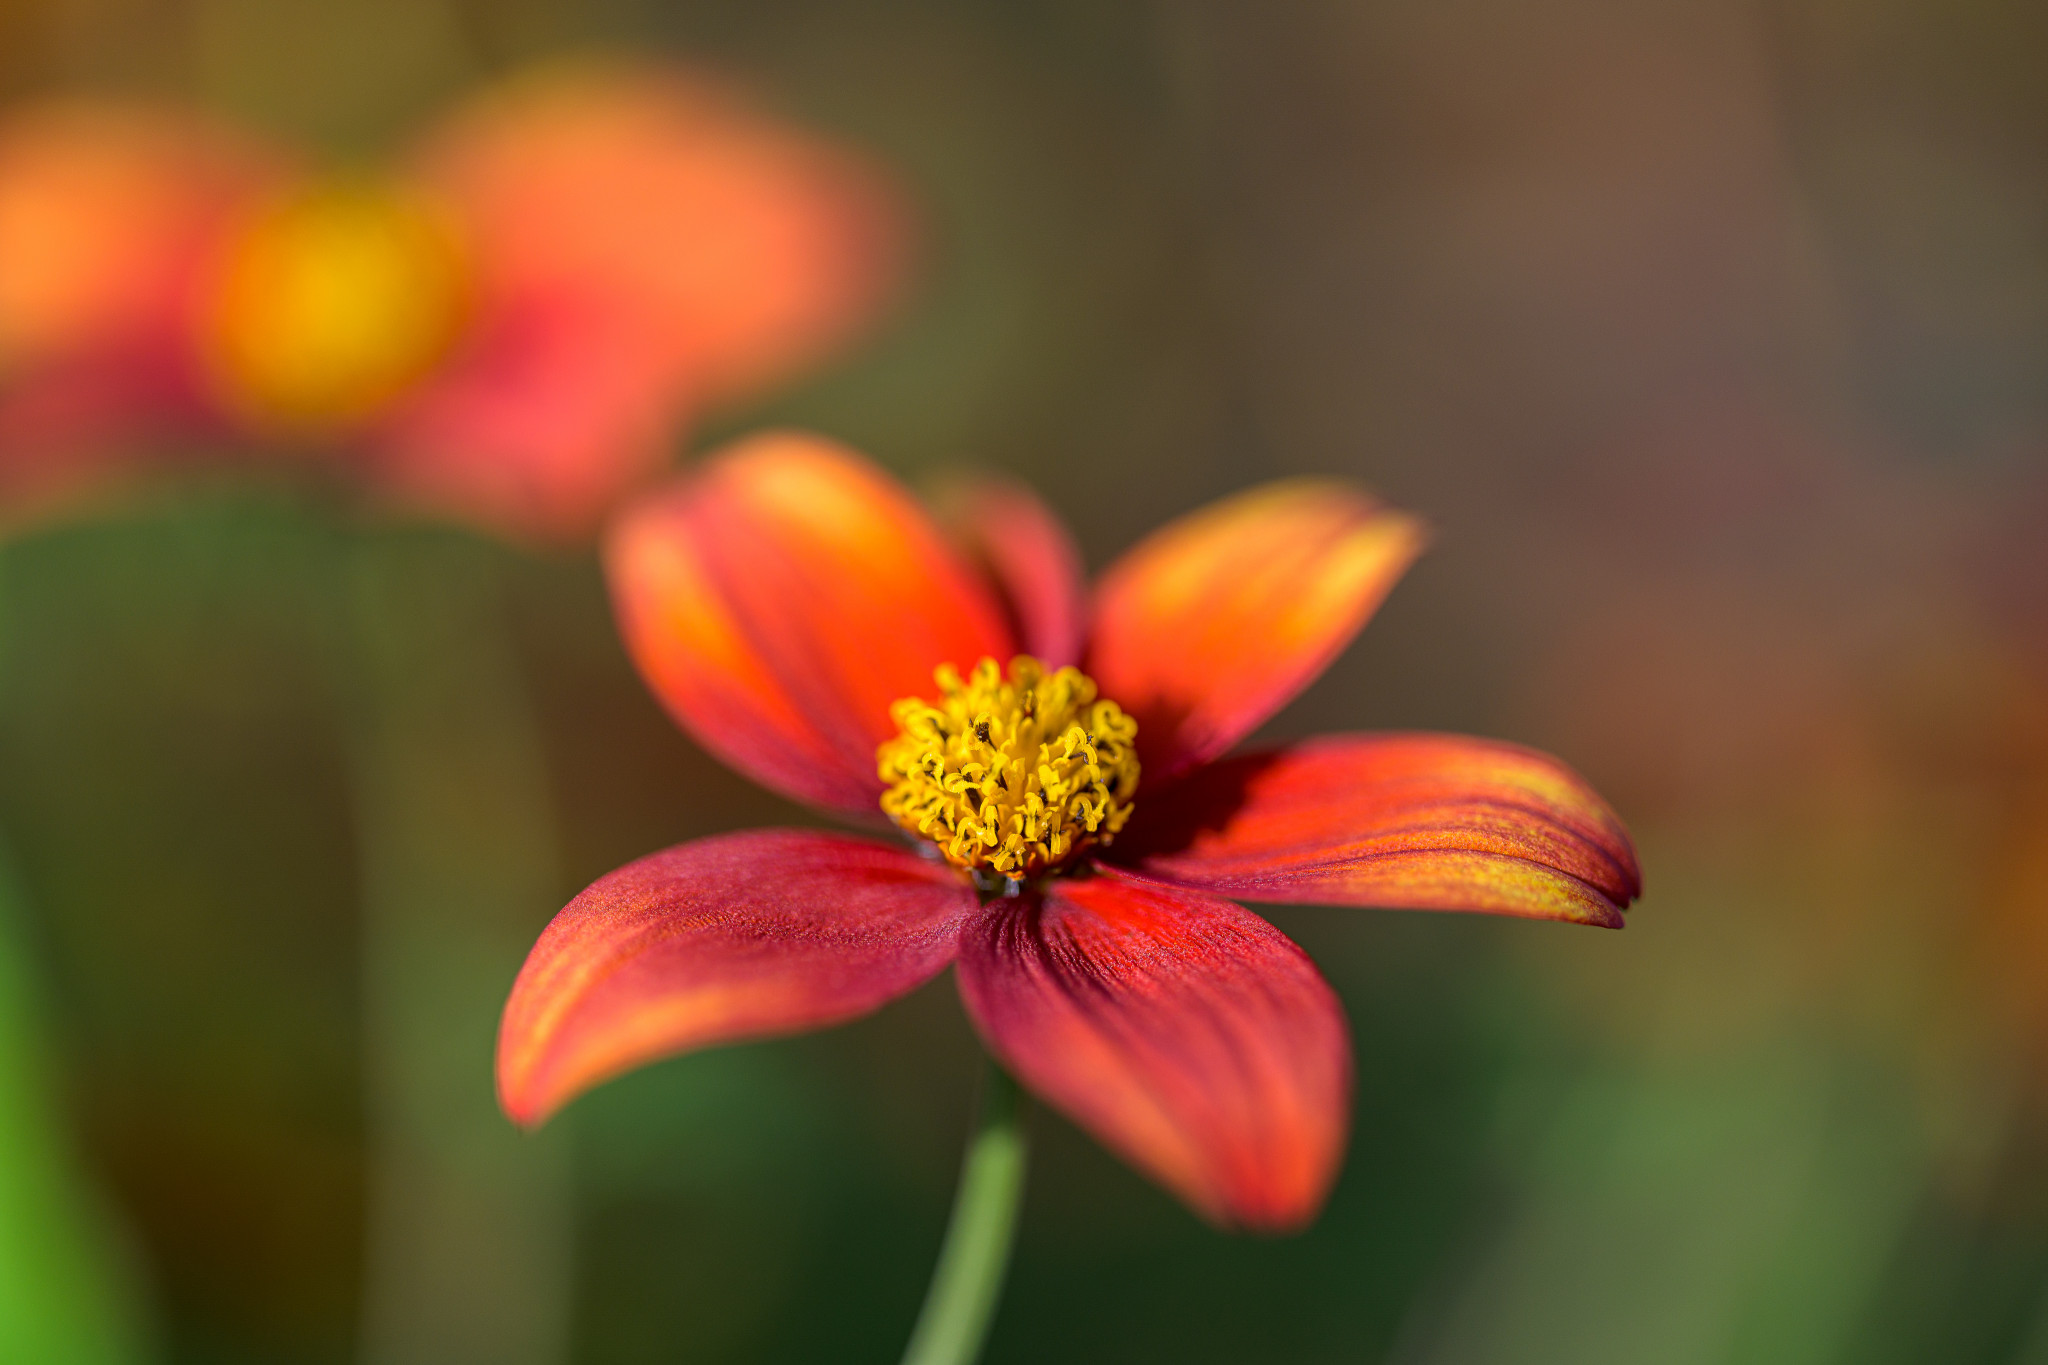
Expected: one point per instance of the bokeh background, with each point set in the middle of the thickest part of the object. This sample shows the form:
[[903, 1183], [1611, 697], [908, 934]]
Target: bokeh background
[[1712, 337]]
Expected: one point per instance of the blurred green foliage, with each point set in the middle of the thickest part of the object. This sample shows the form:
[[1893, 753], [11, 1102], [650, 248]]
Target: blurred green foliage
[[66, 1294]]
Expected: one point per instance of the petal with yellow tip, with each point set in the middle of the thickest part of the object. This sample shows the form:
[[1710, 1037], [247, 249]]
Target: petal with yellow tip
[[780, 598], [1414, 821], [747, 935], [1216, 621]]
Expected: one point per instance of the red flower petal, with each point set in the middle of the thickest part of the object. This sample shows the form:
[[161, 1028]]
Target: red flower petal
[[755, 245], [110, 219], [781, 597], [1430, 822], [1024, 547], [643, 245], [109, 214], [741, 936], [555, 407], [1214, 622], [1183, 1031]]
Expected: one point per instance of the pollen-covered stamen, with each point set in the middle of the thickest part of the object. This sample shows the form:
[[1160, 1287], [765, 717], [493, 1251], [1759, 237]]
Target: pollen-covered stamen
[[1011, 775]]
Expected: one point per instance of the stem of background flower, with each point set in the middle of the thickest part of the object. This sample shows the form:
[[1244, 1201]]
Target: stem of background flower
[[469, 1227], [969, 1276]]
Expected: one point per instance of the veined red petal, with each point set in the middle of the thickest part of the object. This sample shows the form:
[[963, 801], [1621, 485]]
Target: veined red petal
[[779, 598], [1026, 550], [741, 936], [1185, 1032], [1421, 821], [1217, 620]]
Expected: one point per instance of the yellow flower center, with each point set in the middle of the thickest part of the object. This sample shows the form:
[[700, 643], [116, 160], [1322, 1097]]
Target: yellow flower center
[[1011, 776], [334, 301]]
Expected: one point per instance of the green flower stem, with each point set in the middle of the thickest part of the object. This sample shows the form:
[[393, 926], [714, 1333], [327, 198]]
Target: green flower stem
[[969, 1276], [467, 1243]]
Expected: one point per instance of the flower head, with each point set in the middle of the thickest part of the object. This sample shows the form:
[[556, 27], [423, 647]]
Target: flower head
[[1075, 828], [507, 326]]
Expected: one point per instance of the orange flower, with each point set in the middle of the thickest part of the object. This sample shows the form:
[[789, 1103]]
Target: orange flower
[[1073, 834], [508, 329]]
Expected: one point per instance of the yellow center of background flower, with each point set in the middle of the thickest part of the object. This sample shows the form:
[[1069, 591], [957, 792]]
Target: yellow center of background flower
[[1013, 775], [333, 303]]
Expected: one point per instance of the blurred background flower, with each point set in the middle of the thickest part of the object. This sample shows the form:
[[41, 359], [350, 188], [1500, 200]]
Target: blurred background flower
[[510, 330], [510, 333], [1712, 339]]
